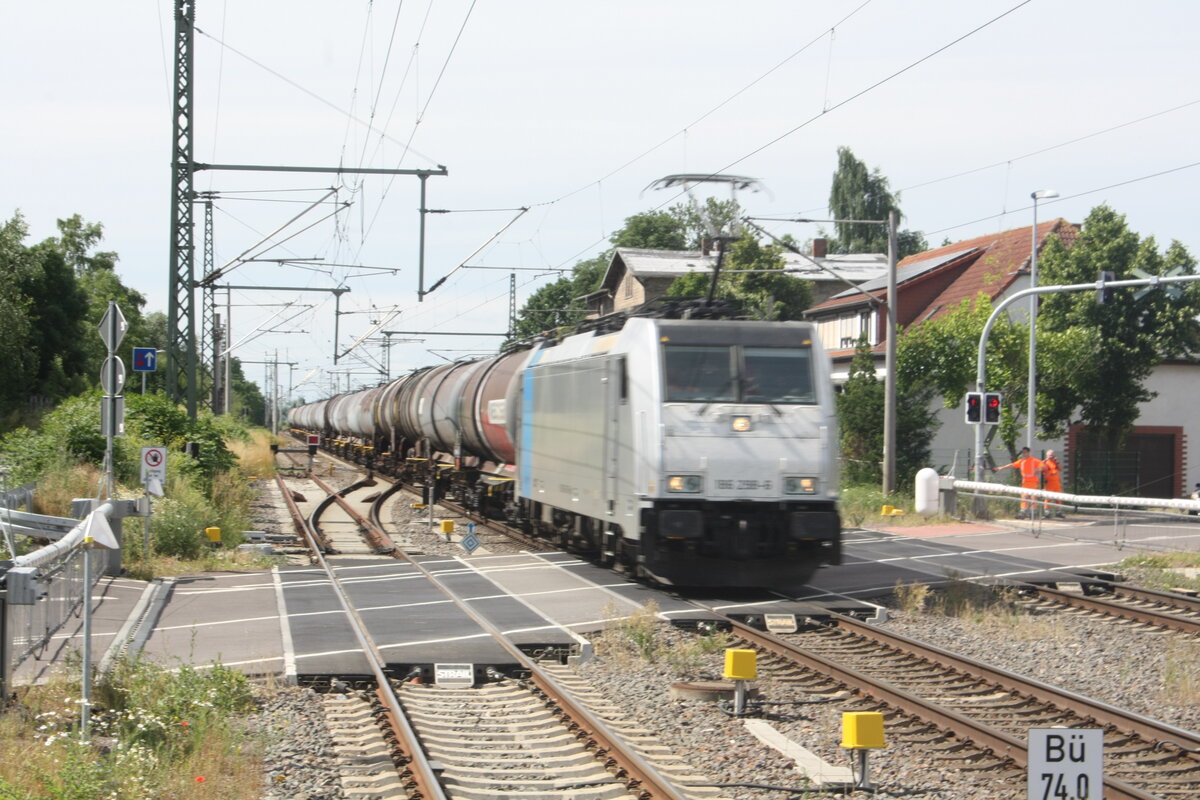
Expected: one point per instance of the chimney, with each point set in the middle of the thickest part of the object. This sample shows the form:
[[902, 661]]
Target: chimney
[[705, 245], [819, 247]]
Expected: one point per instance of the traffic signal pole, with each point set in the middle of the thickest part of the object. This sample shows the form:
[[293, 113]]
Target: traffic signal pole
[[1101, 286]]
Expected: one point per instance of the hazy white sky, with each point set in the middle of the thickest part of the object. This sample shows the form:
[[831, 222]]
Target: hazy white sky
[[572, 110]]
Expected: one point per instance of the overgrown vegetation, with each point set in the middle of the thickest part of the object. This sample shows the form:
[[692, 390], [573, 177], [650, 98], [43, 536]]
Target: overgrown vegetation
[[643, 637], [155, 733], [958, 597], [65, 456], [862, 505], [1162, 570]]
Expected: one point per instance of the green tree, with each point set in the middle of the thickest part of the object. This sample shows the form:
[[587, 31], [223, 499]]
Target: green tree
[[560, 303], [860, 408], [17, 268], [942, 355], [1105, 352], [712, 218], [862, 194], [654, 230], [752, 273], [59, 307]]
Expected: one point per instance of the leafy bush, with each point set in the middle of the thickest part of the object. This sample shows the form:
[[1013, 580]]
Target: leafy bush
[[175, 530]]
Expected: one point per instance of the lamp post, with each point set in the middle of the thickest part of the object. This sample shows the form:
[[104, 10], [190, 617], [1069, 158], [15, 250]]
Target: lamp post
[[1041, 194]]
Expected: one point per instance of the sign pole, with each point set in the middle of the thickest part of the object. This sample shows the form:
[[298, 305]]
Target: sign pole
[[85, 700], [146, 524]]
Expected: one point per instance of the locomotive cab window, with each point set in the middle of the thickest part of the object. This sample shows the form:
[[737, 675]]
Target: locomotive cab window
[[738, 374], [777, 375], [700, 374]]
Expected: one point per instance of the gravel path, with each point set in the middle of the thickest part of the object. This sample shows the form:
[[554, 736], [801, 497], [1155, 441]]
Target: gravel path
[[1152, 673]]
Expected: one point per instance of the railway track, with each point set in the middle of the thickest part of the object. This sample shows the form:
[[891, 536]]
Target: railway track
[[970, 715], [1165, 610], [986, 708], [527, 736]]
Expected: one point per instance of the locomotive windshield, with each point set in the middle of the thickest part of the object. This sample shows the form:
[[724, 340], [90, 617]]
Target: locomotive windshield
[[738, 374]]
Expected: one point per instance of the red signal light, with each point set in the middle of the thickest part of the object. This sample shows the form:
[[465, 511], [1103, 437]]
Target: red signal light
[[991, 408]]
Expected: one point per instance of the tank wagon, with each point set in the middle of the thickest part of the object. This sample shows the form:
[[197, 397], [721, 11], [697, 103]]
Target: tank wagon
[[690, 452]]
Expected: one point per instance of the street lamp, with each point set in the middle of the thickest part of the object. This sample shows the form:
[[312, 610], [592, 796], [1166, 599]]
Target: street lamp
[[1041, 194]]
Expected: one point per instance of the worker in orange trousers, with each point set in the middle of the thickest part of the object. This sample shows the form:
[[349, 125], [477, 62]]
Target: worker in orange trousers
[[1052, 476], [1031, 469]]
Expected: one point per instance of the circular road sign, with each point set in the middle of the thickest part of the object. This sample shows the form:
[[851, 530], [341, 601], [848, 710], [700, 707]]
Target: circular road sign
[[112, 375]]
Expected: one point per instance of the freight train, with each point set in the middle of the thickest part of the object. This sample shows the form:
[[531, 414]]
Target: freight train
[[683, 451]]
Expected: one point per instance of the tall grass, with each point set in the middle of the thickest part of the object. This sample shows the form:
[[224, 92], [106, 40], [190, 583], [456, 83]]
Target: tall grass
[[56, 489], [254, 456]]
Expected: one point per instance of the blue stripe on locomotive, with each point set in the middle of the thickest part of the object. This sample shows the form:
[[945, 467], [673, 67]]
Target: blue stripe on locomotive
[[525, 447]]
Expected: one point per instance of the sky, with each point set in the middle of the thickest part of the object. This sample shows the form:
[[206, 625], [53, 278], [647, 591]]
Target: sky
[[571, 111]]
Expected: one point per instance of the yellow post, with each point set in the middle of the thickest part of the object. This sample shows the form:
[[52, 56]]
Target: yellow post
[[740, 666], [862, 731]]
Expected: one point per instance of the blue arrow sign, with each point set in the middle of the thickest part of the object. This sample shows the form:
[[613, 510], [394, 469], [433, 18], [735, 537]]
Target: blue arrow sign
[[145, 359]]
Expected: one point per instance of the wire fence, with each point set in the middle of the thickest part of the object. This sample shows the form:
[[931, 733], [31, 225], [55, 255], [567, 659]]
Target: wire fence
[[45, 588]]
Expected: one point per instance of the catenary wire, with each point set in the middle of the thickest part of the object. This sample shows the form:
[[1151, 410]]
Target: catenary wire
[[1064, 198]]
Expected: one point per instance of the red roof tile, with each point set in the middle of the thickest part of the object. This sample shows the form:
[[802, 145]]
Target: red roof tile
[[990, 264]]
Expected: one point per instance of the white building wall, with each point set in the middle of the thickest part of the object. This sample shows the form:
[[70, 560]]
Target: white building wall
[[1178, 386]]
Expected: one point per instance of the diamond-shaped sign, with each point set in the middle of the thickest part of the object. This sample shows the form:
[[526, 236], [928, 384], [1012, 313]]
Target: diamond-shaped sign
[[113, 326]]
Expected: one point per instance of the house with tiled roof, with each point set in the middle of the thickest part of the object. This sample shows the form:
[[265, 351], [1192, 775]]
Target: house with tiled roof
[[928, 285], [933, 283], [636, 275]]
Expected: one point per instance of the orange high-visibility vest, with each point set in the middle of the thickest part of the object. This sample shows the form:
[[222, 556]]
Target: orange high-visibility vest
[[1030, 467], [1053, 475]]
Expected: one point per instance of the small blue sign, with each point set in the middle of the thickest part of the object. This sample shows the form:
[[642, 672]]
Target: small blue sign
[[145, 359], [469, 543]]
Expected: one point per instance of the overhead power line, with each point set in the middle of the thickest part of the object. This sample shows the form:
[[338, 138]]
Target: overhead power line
[[1069, 197], [310, 93]]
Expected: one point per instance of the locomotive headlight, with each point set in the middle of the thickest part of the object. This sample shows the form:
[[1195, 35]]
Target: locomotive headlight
[[684, 483], [740, 424], [799, 485]]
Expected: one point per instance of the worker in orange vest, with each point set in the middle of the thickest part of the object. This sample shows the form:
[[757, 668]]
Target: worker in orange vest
[[1052, 475], [1031, 469]]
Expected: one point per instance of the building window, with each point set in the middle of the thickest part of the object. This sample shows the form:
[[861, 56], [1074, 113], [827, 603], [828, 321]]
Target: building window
[[628, 287]]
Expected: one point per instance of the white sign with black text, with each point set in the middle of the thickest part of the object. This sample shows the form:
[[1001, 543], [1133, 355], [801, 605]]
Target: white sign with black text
[[1066, 764]]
